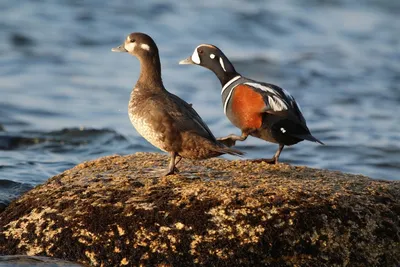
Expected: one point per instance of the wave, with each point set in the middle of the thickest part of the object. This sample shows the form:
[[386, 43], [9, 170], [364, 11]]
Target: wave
[[66, 136], [10, 190]]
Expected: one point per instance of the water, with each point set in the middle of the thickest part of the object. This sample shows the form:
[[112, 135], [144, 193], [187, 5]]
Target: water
[[64, 94]]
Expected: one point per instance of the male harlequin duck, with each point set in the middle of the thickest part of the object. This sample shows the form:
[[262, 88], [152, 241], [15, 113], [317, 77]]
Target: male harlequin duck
[[162, 118], [259, 109]]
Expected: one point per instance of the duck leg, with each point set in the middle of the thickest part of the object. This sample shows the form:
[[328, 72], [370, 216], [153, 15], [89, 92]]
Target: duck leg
[[178, 159], [231, 139], [171, 167], [274, 159]]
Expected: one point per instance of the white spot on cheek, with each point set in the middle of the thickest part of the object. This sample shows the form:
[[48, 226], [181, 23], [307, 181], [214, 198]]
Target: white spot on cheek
[[145, 47], [221, 62], [130, 47], [212, 56], [283, 130], [195, 57]]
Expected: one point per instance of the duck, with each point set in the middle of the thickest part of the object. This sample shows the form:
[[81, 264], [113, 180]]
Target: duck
[[259, 109], [162, 118]]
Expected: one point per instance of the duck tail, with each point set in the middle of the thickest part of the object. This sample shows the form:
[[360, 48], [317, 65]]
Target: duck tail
[[231, 151], [309, 137]]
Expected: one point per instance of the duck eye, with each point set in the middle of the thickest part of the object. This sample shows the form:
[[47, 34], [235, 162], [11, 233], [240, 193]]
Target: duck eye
[[201, 51], [132, 40]]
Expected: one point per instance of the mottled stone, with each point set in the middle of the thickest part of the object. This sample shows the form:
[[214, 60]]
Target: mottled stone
[[32, 261], [116, 211]]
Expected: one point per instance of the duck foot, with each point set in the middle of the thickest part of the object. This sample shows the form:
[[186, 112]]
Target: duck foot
[[231, 139], [274, 159], [227, 141], [169, 172], [171, 167]]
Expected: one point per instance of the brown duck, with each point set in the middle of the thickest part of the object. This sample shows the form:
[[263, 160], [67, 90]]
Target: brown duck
[[162, 118]]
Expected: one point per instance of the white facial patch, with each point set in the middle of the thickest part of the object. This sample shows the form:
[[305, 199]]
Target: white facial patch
[[195, 57], [212, 56], [145, 47], [130, 47], [221, 62]]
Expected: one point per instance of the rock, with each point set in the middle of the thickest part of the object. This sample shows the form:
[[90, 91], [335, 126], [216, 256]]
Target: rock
[[30, 261], [115, 211]]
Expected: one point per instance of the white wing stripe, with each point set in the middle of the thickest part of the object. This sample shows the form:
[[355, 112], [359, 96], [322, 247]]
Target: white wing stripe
[[262, 87], [276, 103]]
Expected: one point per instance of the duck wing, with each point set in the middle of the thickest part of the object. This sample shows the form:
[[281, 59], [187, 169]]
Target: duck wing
[[186, 118], [283, 105]]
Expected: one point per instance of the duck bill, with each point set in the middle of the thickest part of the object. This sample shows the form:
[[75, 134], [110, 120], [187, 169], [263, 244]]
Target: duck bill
[[186, 61], [120, 48]]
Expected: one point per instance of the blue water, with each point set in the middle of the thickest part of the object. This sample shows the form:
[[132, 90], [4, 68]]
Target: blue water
[[64, 94]]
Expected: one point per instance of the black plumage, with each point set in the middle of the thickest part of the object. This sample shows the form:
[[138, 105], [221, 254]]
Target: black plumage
[[259, 109]]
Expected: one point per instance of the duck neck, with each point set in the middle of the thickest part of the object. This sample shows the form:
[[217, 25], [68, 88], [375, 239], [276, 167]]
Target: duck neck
[[224, 70], [150, 72], [226, 77]]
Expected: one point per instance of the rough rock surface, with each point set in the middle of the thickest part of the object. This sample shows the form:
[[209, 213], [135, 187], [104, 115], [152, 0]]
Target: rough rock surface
[[34, 261], [116, 211]]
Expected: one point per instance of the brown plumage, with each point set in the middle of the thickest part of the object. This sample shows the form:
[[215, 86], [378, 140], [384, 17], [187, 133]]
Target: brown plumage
[[162, 118]]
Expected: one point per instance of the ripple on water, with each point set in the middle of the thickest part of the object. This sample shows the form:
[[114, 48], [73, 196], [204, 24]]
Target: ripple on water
[[29, 157], [65, 137], [10, 190], [21, 40]]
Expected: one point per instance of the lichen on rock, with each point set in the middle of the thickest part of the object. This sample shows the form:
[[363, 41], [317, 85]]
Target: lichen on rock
[[116, 211]]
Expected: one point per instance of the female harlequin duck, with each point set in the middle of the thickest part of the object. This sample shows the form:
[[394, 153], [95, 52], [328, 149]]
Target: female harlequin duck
[[259, 109], [162, 118]]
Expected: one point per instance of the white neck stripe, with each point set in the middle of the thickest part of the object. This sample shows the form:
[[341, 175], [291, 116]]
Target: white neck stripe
[[227, 99], [229, 83]]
